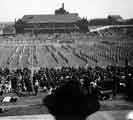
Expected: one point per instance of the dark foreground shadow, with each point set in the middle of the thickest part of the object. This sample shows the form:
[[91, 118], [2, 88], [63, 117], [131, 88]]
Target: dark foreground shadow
[[70, 118], [69, 102]]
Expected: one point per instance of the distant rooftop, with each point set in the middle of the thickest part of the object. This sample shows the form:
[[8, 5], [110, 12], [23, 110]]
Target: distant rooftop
[[115, 17], [60, 16], [57, 18]]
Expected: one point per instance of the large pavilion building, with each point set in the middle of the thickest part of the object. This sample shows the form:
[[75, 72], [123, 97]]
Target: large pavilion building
[[61, 21]]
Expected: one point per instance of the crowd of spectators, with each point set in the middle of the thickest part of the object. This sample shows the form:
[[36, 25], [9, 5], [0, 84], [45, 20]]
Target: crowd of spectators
[[93, 80]]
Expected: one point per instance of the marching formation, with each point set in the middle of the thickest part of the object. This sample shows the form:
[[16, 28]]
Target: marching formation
[[66, 49]]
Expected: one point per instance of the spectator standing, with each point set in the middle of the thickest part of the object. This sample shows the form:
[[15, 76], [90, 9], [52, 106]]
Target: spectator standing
[[115, 85], [36, 86]]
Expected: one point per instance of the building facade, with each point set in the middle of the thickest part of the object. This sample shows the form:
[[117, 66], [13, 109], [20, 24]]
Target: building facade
[[61, 21]]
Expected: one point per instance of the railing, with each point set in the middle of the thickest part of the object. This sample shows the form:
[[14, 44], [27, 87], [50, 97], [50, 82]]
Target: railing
[[109, 26]]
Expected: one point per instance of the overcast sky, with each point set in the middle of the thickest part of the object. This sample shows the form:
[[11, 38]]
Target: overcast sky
[[11, 9]]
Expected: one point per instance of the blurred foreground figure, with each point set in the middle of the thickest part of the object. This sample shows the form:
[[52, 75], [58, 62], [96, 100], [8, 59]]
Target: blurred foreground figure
[[69, 102]]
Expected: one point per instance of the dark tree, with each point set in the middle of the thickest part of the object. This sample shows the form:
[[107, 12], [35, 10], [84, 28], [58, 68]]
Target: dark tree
[[83, 25], [19, 26]]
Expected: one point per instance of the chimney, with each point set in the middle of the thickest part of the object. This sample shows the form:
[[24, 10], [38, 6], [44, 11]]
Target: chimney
[[63, 5]]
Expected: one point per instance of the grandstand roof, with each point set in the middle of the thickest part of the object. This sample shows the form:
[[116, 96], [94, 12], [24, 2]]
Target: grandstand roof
[[60, 18]]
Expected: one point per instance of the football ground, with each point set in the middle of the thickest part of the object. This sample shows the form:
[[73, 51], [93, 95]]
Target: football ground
[[20, 52], [79, 50]]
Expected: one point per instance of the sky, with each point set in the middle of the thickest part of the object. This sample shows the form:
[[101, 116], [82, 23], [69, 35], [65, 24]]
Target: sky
[[11, 9]]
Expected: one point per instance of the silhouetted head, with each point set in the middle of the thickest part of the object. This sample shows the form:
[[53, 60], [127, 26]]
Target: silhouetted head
[[69, 101]]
